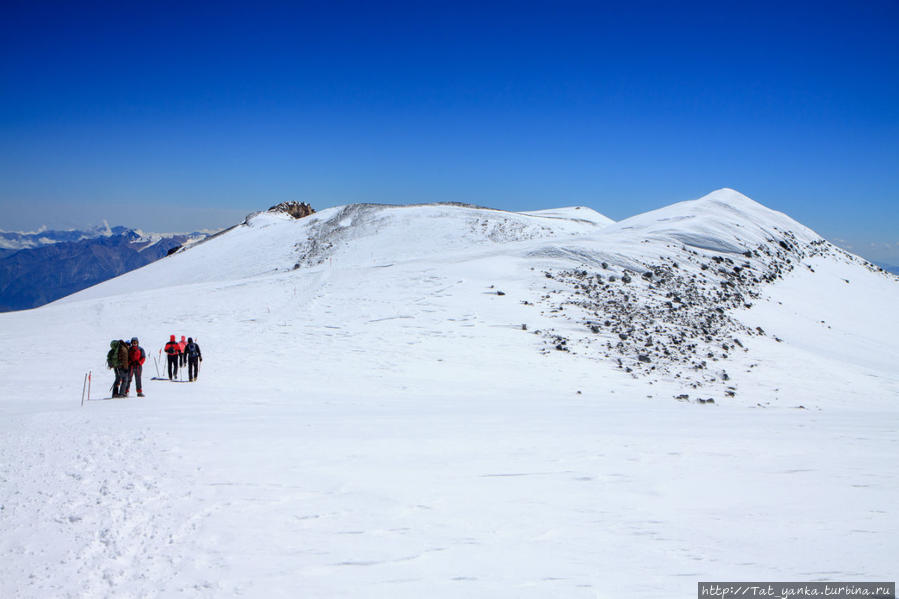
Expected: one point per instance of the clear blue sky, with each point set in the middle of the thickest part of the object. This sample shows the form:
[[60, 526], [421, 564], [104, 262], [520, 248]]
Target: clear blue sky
[[169, 116]]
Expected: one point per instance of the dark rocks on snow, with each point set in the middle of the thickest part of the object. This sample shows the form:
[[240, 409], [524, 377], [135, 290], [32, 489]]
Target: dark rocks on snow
[[553, 341], [678, 313], [294, 209]]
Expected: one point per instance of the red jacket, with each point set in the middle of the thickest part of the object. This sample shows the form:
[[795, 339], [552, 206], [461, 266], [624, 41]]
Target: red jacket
[[136, 355], [173, 348]]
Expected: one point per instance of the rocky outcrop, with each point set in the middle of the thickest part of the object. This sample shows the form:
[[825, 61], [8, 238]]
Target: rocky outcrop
[[294, 209]]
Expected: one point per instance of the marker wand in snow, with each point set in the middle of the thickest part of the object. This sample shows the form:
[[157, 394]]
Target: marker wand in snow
[[83, 389]]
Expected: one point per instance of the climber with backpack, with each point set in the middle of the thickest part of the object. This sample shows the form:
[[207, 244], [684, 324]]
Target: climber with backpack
[[173, 351], [194, 357], [136, 357], [117, 359]]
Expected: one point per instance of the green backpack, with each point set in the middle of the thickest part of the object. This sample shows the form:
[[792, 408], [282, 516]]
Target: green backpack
[[112, 356]]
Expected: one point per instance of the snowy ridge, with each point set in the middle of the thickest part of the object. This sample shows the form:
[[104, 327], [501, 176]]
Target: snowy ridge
[[413, 401], [665, 295], [358, 235], [723, 221], [576, 213], [394, 233]]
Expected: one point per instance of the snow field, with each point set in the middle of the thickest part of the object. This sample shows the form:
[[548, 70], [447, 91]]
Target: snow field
[[384, 427]]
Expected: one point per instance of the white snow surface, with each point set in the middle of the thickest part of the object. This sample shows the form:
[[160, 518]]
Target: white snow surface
[[372, 419]]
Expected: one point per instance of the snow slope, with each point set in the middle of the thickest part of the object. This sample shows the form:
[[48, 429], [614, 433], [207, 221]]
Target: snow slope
[[383, 411], [359, 235]]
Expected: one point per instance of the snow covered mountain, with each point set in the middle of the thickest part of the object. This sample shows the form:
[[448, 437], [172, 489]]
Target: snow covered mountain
[[445, 400], [27, 240], [37, 268]]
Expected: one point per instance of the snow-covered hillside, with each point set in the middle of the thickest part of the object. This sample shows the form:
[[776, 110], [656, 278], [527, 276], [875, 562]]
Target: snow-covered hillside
[[444, 400]]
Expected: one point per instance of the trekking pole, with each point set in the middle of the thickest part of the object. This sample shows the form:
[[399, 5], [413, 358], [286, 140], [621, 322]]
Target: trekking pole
[[83, 387], [157, 367]]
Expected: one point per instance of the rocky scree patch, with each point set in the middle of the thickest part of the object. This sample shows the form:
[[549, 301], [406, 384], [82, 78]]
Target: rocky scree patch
[[674, 317]]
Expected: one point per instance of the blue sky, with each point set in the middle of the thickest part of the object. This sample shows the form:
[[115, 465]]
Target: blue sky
[[169, 116]]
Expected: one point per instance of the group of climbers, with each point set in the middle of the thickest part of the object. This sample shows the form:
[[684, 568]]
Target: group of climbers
[[127, 360], [181, 353]]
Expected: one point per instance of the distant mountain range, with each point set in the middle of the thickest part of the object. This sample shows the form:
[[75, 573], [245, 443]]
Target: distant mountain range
[[42, 266]]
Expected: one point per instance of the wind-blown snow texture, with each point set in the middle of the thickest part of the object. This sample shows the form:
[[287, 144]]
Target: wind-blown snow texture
[[447, 401]]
